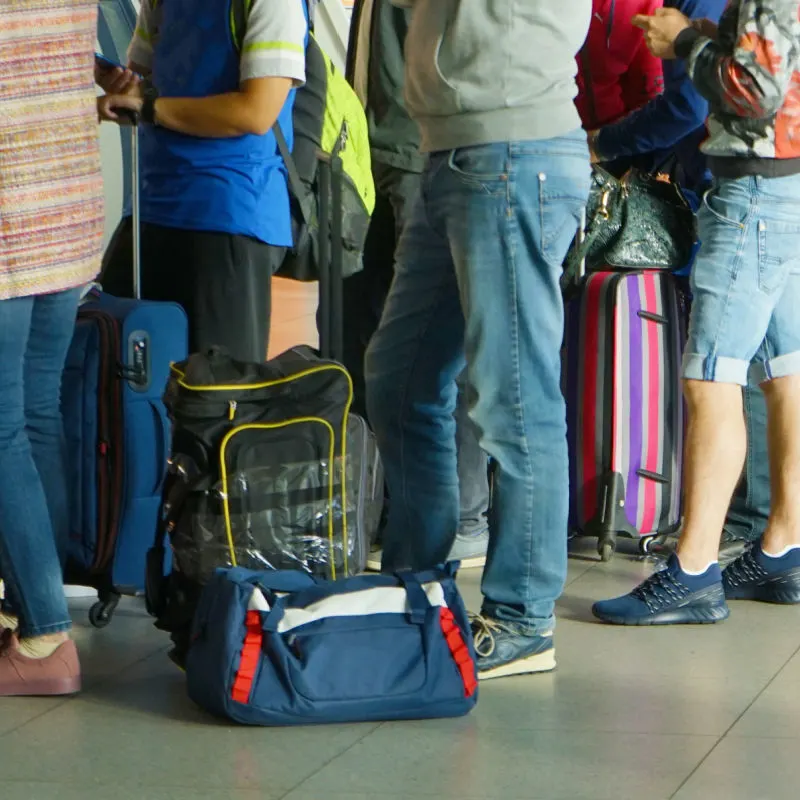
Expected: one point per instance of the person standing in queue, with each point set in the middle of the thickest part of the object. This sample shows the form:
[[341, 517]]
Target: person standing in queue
[[214, 193], [477, 283]]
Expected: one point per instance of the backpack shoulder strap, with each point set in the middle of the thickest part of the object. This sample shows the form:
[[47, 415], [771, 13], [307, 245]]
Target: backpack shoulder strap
[[296, 186], [240, 11]]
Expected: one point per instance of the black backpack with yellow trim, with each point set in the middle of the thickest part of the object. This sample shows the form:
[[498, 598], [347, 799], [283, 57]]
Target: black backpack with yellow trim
[[269, 469], [328, 122]]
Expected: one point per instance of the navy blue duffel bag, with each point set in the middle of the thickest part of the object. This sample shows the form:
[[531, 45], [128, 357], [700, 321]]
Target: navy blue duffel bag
[[285, 648]]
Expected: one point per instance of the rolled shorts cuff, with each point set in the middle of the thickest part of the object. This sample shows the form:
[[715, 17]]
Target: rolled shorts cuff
[[778, 367], [715, 369]]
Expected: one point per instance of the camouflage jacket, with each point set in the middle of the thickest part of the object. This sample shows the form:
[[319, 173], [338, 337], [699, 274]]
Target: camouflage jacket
[[750, 76]]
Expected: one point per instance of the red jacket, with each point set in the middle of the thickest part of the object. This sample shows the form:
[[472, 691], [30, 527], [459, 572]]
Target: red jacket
[[616, 73]]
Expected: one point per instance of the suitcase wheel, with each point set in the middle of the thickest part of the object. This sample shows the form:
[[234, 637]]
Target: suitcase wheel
[[647, 545], [606, 548], [101, 612]]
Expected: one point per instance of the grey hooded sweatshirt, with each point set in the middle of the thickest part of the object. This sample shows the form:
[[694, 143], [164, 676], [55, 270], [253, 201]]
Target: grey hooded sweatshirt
[[481, 71]]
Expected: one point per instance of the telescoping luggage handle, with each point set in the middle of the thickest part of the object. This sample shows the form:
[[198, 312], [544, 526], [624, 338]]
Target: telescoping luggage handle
[[328, 218], [133, 119]]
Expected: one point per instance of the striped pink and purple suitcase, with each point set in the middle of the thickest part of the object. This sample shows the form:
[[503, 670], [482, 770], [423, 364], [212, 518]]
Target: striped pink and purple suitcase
[[625, 413]]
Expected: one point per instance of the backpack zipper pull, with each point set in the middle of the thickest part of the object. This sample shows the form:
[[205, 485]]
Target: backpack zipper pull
[[232, 404], [341, 142]]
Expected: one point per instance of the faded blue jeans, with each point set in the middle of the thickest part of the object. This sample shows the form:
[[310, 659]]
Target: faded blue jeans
[[477, 283], [35, 333]]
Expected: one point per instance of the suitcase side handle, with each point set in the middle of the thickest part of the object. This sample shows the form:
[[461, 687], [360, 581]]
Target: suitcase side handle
[[652, 476], [651, 316]]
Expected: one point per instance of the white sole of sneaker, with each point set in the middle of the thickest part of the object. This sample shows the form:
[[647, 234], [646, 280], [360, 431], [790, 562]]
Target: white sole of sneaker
[[541, 662], [374, 565], [474, 562]]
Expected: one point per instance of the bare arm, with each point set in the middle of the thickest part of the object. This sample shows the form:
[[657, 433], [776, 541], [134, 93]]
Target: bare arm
[[253, 109]]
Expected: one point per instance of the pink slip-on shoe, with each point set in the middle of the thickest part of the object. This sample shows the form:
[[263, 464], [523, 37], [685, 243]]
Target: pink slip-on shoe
[[21, 676]]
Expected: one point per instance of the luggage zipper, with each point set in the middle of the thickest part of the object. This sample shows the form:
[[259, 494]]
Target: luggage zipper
[[332, 459], [109, 439]]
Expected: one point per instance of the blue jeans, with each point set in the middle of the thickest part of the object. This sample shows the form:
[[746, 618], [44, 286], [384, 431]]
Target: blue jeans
[[35, 333], [473, 469], [477, 283]]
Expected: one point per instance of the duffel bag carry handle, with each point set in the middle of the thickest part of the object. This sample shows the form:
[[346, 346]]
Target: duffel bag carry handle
[[418, 602], [417, 598]]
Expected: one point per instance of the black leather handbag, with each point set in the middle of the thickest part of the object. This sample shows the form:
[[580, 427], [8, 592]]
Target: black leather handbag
[[637, 222]]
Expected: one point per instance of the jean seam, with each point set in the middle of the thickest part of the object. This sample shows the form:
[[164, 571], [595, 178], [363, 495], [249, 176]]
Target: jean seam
[[520, 413], [403, 411], [44, 630]]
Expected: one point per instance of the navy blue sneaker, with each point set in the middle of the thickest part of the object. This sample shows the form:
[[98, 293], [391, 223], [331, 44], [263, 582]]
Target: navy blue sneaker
[[669, 597], [503, 649], [757, 576]]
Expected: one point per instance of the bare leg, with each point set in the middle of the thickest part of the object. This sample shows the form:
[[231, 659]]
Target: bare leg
[[716, 444], [783, 431]]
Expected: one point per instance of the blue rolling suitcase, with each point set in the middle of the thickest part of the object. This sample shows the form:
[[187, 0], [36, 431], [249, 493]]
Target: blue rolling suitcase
[[118, 433]]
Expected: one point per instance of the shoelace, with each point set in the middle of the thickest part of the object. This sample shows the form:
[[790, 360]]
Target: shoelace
[[745, 570], [483, 633], [660, 589]]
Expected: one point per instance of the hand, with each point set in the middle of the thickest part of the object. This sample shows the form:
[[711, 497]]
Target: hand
[[109, 105], [117, 80], [661, 30]]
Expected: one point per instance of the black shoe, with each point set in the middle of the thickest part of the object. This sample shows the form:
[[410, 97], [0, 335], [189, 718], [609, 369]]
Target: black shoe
[[757, 576]]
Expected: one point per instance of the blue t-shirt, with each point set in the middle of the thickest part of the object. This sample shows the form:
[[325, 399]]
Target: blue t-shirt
[[232, 185]]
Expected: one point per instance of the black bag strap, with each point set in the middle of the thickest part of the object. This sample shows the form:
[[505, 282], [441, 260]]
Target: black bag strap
[[303, 195]]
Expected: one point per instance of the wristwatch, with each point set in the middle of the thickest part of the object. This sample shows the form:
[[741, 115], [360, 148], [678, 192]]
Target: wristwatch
[[149, 97]]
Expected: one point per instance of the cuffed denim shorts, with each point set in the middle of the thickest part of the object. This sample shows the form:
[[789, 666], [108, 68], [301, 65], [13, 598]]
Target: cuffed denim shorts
[[746, 282]]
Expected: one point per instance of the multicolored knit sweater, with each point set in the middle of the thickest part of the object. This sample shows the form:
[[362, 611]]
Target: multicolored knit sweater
[[51, 190]]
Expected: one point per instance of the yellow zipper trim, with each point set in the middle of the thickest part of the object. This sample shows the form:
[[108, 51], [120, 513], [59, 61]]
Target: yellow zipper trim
[[331, 462], [277, 382], [265, 385]]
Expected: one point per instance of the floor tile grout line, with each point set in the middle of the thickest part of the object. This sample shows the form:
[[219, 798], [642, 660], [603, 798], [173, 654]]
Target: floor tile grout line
[[54, 707], [332, 759], [734, 723], [100, 683]]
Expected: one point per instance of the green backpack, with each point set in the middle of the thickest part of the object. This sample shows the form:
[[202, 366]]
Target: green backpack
[[328, 118]]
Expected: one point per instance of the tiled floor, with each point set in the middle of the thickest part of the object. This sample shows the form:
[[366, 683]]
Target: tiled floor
[[684, 713]]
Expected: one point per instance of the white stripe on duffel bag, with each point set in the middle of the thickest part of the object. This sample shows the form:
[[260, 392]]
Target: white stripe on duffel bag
[[366, 602]]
